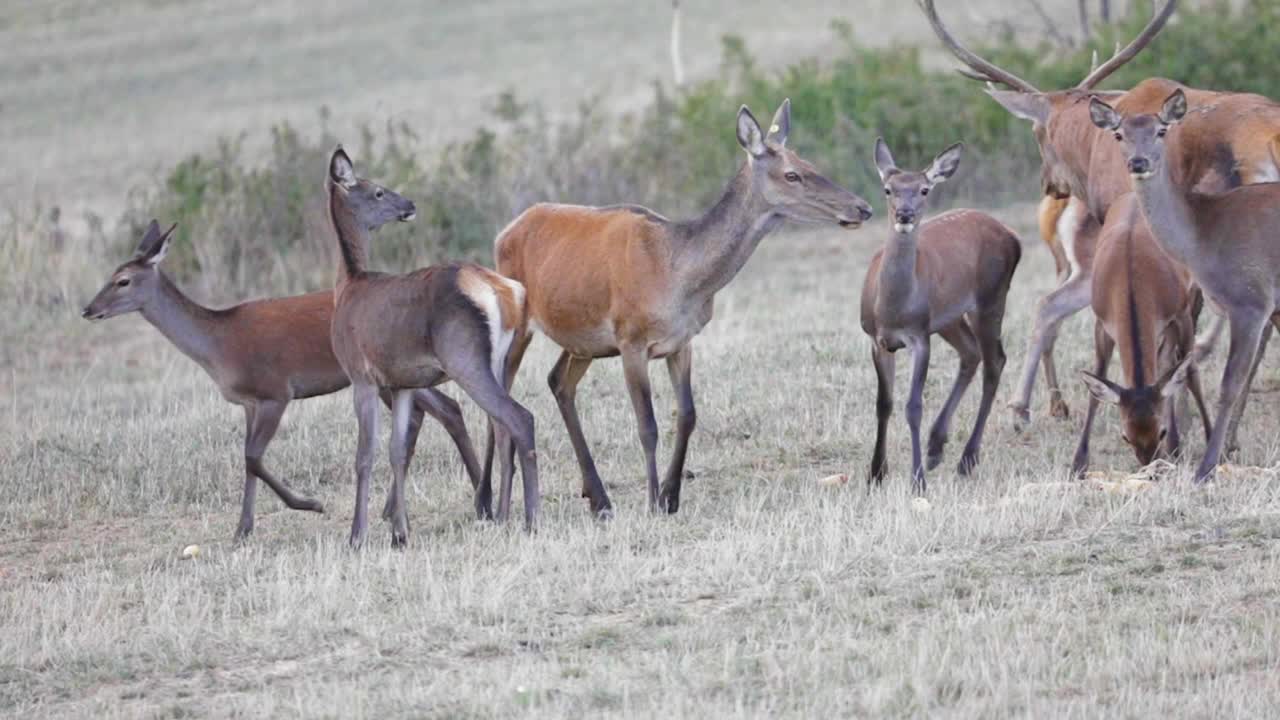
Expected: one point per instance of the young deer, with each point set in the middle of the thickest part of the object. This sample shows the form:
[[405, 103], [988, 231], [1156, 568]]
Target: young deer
[[947, 276], [1142, 300], [262, 354], [1226, 240], [624, 280], [395, 333]]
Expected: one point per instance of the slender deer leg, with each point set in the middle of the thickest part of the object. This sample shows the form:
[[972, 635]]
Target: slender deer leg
[[915, 408], [1171, 352], [266, 419], [365, 399], [564, 378], [512, 422], [1208, 340], [1232, 444], [415, 426], [515, 356], [1057, 405], [635, 367], [446, 410], [1103, 347], [401, 408], [960, 336], [1055, 307], [883, 360], [680, 368], [1246, 328], [993, 360], [245, 528]]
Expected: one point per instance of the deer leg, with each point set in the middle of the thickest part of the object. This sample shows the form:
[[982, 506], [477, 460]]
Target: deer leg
[[1057, 406], [400, 453], [1247, 327], [262, 428], [245, 528], [1169, 355], [1208, 340], [915, 408], [512, 423], [960, 336], [365, 400], [515, 356], [635, 367], [883, 361], [415, 426], [1063, 302], [1232, 443], [1103, 347], [446, 410], [989, 327], [564, 378], [680, 368]]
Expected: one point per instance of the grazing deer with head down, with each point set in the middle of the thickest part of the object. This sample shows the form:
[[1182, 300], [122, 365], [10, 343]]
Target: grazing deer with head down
[[397, 333], [1142, 299], [947, 276], [1231, 139], [624, 280], [1226, 240], [262, 354]]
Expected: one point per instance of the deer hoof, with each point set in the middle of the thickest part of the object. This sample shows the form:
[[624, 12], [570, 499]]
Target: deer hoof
[[1058, 408], [1020, 416]]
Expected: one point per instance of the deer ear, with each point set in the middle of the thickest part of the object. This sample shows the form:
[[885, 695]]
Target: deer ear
[[1034, 107], [1103, 115], [1104, 390], [781, 126], [749, 135], [944, 166], [341, 172], [1174, 380], [884, 160], [161, 248], [150, 239], [1175, 107]]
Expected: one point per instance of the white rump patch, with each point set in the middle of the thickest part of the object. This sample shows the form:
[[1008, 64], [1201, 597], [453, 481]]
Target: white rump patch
[[1068, 227]]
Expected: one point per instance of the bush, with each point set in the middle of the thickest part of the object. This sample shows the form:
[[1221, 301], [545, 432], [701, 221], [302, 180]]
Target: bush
[[253, 226]]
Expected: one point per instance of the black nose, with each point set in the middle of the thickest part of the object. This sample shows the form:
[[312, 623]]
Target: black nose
[[906, 218], [865, 212], [84, 313], [1139, 165]]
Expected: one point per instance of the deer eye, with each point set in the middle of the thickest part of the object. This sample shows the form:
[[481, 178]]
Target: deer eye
[[887, 191], [924, 191], [1119, 136], [123, 282], [1161, 132], [792, 177], [378, 193]]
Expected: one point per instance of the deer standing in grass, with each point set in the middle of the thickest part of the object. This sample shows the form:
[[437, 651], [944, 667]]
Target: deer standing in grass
[[1227, 240], [947, 276], [624, 280], [1231, 139], [262, 354], [398, 333], [1142, 300]]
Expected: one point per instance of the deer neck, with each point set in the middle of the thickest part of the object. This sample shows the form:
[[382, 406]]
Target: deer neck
[[1169, 215], [353, 238], [187, 324], [711, 250], [896, 284]]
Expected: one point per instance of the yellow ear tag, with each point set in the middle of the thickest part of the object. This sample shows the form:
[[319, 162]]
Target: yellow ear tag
[[773, 128]]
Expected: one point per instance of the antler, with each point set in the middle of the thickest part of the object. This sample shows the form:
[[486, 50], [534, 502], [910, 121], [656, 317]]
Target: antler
[[1121, 57], [982, 69]]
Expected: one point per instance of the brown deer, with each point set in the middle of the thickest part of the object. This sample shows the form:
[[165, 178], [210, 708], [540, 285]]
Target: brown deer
[[624, 280], [397, 333], [1231, 139], [948, 276], [1227, 241], [1142, 299], [262, 355]]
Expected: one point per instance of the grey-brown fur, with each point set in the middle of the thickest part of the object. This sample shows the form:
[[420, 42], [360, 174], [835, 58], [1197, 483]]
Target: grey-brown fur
[[948, 276]]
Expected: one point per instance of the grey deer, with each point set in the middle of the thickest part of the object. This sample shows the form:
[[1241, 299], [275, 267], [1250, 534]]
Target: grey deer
[[947, 276]]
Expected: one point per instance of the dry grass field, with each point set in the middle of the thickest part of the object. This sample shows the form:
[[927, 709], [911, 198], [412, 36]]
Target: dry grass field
[[1016, 593]]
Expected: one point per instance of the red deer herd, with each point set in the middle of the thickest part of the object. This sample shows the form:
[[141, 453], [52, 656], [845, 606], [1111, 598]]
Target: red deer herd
[[1158, 201]]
